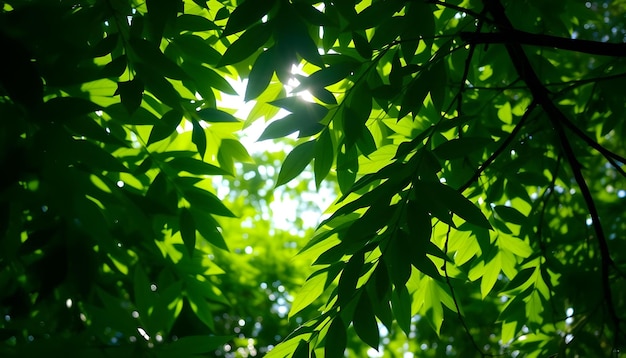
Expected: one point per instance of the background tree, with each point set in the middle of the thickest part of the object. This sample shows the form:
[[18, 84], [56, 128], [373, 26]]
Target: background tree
[[476, 146]]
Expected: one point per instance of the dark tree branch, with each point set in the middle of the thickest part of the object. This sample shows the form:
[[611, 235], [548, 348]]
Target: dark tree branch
[[542, 96], [511, 36]]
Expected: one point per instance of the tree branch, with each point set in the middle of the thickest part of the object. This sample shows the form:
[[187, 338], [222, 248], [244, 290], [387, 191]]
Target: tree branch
[[557, 118], [511, 36]]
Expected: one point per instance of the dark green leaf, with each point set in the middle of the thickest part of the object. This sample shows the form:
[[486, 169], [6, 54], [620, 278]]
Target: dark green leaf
[[455, 202], [208, 228], [213, 115], [302, 351], [61, 108], [336, 338], [246, 14], [374, 14], [206, 77], [194, 23], [510, 214], [311, 14], [349, 277], [187, 230], [105, 46], [206, 201], [195, 166], [159, 86], [168, 124], [415, 94], [295, 162], [279, 128], [461, 147], [260, 75], [362, 46], [347, 167], [364, 322], [324, 157], [151, 56], [401, 305], [196, 48], [247, 44], [131, 94], [198, 137], [92, 155], [160, 15], [115, 68], [222, 14]]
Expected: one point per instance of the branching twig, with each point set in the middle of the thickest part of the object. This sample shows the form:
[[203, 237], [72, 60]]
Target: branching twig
[[501, 148]]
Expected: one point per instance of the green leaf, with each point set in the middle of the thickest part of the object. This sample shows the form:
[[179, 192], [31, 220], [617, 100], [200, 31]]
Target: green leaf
[[231, 150], [490, 275], [461, 147], [206, 77], [295, 162], [213, 115], [324, 156], [195, 166], [247, 44], [60, 108], [206, 201], [416, 94], [309, 292], [454, 201], [141, 289], [401, 306], [208, 228], [336, 338], [196, 48], [131, 94], [374, 14], [347, 167], [279, 128], [194, 23], [198, 137], [158, 86], [187, 230], [364, 322], [510, 214], [260, 75], [168, 124], [115, 68], [151, 56], [160, 15], [362, 46], [246, 14], [94, 156], [302, 350], [349, 278]]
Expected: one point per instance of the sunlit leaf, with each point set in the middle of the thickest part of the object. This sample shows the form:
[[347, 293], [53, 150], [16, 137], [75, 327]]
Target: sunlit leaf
[[295, 162]]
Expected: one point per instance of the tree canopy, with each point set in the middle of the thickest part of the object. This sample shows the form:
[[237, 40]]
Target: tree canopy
[[473, 152]]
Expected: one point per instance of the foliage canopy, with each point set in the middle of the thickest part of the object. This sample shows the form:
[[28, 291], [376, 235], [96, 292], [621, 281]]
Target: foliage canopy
[[476, 147]]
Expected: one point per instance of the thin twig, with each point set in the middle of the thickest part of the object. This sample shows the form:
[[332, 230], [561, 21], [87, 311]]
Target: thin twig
[[505, 143]]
